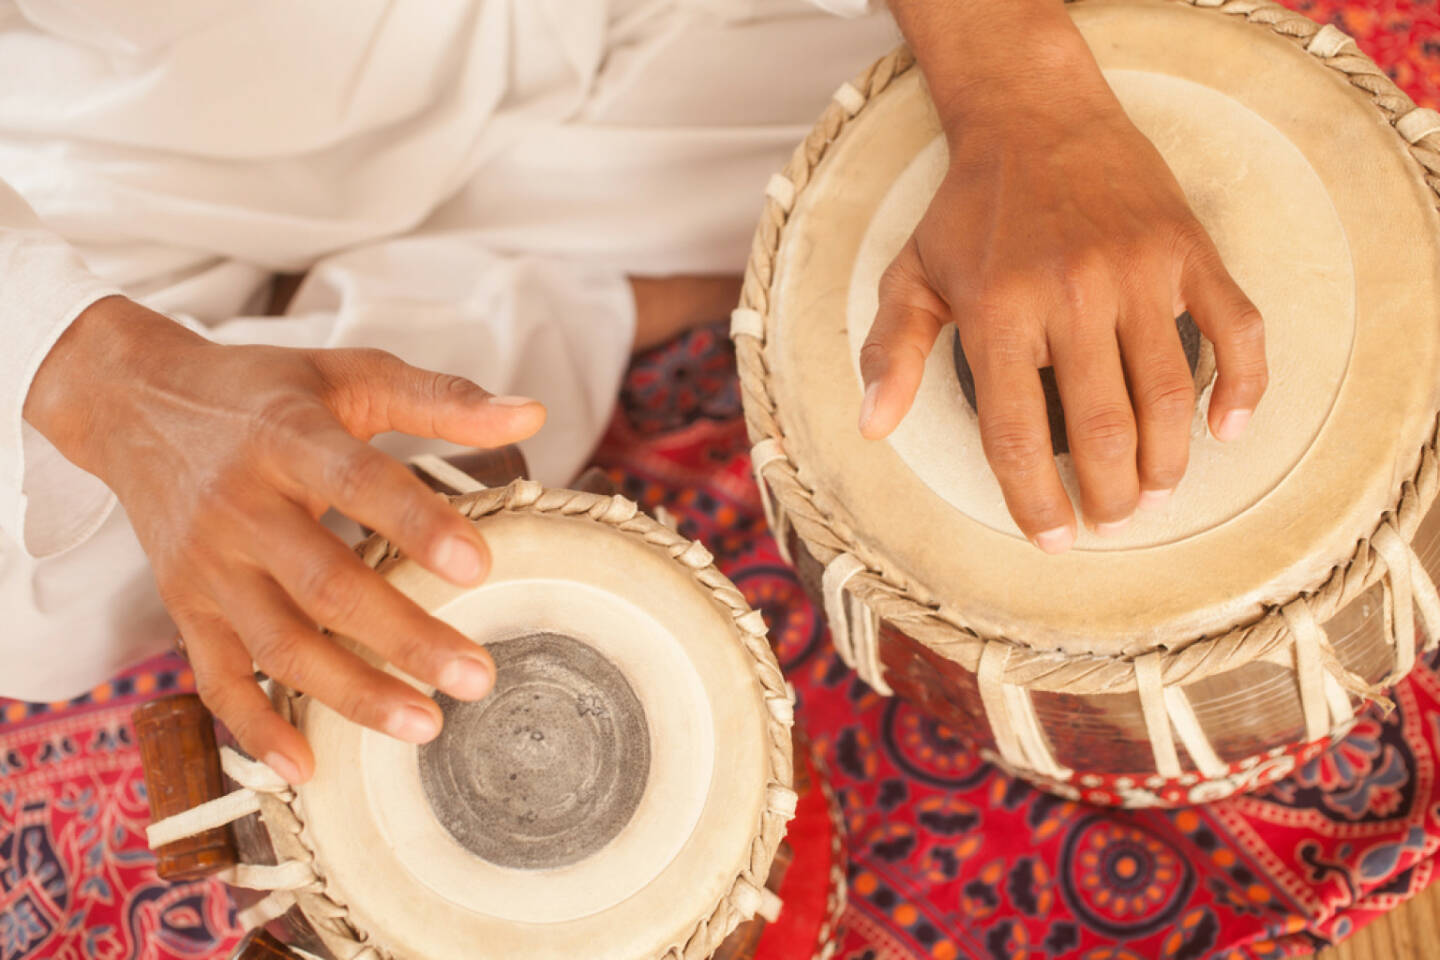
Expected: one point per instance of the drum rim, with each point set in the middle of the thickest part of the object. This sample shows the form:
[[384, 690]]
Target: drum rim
[[333, 919], [898, 599]]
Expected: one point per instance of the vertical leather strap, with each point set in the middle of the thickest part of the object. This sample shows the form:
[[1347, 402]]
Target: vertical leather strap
[[1192, 734], [1157, 715], [1399, 596], [1309, 668], [1019, 737], [837, 611], [763, 454]]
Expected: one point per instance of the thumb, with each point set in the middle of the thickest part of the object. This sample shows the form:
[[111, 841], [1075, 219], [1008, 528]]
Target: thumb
[[375, 391], [892, 361]]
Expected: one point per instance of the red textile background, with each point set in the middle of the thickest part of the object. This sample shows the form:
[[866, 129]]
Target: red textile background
[[950, 858]]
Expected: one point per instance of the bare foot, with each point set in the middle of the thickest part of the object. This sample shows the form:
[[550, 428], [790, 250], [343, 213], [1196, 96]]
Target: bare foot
[[666, 307]]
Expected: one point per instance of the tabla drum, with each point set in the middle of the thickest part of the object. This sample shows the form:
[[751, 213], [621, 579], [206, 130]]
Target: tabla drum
[[1214, 644], [622, 793]]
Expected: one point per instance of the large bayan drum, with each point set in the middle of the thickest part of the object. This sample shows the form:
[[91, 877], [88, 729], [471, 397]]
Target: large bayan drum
[[1217, 642], [622, 793]]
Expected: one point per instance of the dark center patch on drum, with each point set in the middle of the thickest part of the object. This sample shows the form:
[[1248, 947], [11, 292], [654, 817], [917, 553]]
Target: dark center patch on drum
[[1189, 341], [550, 766]]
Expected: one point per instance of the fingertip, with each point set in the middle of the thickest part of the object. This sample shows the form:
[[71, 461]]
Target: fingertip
[[1232, 424], [288, 770], [463, 560], [869, 429], [283, 749], [411, 723], [470, 676], [1111, 528], [1154, 499], [1056, 540], [524, 416]]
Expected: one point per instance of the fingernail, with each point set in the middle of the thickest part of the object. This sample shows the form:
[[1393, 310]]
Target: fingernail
[[1153, 499], [1233, 424], [411, 724], [466, 677], [283, 765], [1111, 527], [459, 560], [512, 401], [867, 406], [1057, 540]]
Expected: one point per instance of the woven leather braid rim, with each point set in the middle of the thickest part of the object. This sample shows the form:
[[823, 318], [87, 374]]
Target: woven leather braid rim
[[328, 910], [902, 601]]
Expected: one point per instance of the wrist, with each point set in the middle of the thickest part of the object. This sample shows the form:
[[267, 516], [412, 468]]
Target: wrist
[[101, 356], [986, 63]]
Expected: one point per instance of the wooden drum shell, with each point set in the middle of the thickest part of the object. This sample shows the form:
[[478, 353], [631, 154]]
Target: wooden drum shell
[[1252, 714]]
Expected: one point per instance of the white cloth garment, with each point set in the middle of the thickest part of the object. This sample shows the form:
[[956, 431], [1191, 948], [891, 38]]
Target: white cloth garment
[[468, 183]]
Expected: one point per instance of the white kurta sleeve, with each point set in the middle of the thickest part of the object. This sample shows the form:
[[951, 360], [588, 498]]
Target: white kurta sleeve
[[850, 8], [47, 504]]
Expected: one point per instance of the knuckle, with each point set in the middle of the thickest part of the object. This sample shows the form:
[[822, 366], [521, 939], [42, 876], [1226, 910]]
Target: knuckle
[[1189, 236], [1003, 297], [366, 359], [1169, 401], [330, 593], [445, 386], [418, 654], [1106, 434], [1084, 281], [222, 696], [355, 474], [281, 654], [215, 692], [360, 702], [283, 417], [1016, 451], [1247, 327], [874, 355]]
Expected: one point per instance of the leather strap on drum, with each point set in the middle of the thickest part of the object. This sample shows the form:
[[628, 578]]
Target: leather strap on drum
[[1167, 713], [1192, 734], [1018, 735], [854, 627], [283, 879], [1157, 716], [763, 454], [1323, 701], [445, 472], [1407, 588]]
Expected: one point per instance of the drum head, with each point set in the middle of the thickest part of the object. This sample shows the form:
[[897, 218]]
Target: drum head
[[601, 801], [1320, 213]]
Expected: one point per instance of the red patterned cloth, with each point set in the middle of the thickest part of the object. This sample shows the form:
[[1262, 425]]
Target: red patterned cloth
[[950, 858]]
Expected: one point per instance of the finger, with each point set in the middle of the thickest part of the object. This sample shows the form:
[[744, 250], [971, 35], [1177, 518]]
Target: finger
[[1099, 422], [1233, 324], [892, 361], [375, 391], [1015, 431], [338, 590], [288, 647], [225, 680], [376, 491], [1163, 395]]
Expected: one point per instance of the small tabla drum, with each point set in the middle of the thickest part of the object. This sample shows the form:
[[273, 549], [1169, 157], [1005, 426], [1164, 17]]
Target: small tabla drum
[[1219, 641], [622, 793]]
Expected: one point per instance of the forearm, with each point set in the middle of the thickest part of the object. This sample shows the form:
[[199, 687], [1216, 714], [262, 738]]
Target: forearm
[[983, 59]]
